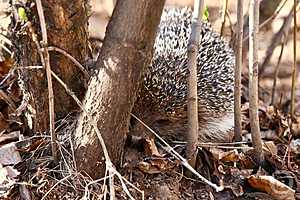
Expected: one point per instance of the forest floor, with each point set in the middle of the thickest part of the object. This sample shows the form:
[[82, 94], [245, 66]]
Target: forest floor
[[154, 173]]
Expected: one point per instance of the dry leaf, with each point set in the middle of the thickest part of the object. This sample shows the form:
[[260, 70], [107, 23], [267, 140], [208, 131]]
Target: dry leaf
[[230, 156], [7, 179], [270, 147], [273, 187], [155, 165], [150, 147]]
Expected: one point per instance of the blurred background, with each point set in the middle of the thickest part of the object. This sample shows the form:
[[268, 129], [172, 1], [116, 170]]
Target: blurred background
[[101, 11]]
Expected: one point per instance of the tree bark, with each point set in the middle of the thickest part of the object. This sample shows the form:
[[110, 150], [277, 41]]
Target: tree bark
[[126, 51], [67, 29]]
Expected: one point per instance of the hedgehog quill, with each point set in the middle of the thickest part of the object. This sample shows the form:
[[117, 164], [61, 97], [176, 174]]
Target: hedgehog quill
[[162, 101]]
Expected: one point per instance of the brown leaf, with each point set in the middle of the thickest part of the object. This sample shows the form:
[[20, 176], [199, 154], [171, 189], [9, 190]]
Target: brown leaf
[[150, 147], [246, 160], [270, 148], [272, 186], [9, 137], [155, 165], [230, 156], [35, 145]]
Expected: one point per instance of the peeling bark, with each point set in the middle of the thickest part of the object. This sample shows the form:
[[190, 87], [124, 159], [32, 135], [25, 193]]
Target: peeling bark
[[67, 29]]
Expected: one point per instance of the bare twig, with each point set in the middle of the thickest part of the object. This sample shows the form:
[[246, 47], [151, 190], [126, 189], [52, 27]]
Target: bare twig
[[92, 122], [275, 77], [5, 48], [253, 80], [224, 10], [84, 71], [4, 40], [112, 194], [110, 169], [294, 73], [87, 190], [274, 15], [49, 79], [56, 184], [267, 21], [7, 77], [109, 166], [183, 161], [34, 38], [31, 67], [73, 155], [231, 145], [226, 147], [237, 75], [192, 82], [230, 22]]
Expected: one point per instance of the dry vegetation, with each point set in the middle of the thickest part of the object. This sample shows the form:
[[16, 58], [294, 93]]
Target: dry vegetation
[[148, 168]]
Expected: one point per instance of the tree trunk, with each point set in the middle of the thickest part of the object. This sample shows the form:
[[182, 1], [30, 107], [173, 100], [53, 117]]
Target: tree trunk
[[237, 72], [253, 81], [67, 29], [192, 52], [126, 51]]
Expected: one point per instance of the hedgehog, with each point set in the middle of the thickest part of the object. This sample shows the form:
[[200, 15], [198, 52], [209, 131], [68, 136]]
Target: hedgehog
[[162, 101]]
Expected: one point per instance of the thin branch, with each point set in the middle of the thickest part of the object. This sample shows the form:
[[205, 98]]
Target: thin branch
[[87, 190], [253, 80], [272, 17], [4, 40], [294, 73], [109, 165], [49, 80], [238, 71], [112, 194], [230, 22], [192, 53], [90, 118], [5, 49], [183, 161], [83, 70], [56, 184], [224, 10], [275, 77], [276, 40]]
